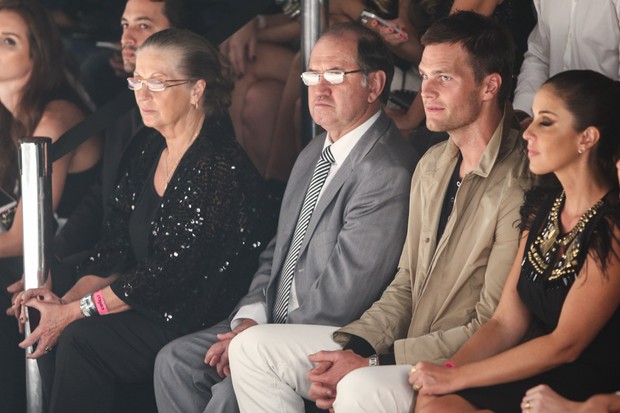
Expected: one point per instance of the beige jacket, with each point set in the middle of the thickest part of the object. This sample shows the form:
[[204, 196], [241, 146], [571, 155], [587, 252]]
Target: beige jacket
[[444, 291]]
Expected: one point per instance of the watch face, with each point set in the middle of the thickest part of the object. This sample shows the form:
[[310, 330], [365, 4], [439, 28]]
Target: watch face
[[373, 360]]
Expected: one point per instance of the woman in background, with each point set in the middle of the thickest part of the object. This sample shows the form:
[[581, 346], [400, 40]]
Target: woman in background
[[37, 98]]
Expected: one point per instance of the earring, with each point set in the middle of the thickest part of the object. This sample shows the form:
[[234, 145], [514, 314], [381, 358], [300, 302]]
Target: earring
[[195, 105], [580, 151]]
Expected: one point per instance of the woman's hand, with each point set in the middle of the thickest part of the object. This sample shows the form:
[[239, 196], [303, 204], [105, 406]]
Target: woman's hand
[[55, 317], [541, 399], [15, 289], [18, 308], [431, 379], [391, 36]]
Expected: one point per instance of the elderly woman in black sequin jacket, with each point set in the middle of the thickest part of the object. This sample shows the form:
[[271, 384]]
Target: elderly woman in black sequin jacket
[[180, 246]]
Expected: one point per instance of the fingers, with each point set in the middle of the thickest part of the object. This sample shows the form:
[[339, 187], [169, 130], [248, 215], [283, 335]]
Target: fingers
[[40, 350], [16, 287], [31, 340], [222, 366], [325, 404], [320, 368], [318, 391], [226, 336], [323, 356], [215, 353]]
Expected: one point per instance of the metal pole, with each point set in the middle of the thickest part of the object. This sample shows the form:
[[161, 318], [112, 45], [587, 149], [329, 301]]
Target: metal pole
[[313, 19], [36, 193]]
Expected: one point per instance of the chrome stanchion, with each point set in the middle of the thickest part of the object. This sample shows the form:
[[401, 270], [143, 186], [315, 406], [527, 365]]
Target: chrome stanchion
[[36, 194], [314, 17]]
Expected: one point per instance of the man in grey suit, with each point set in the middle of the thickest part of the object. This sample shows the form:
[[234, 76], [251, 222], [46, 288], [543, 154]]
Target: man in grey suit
[[341, 228]]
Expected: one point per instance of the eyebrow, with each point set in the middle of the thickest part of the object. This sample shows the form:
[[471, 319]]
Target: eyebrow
[[547, 112], [440, 70], [10, 34], [137, 19]]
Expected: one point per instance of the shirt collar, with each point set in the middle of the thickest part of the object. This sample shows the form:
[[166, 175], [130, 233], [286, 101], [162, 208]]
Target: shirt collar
[[343, 146]]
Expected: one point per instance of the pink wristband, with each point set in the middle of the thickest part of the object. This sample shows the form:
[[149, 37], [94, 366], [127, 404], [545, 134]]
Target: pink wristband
[[449, 364], [100, 303]]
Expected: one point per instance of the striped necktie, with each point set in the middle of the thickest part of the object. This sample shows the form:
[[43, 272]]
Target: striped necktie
[[280, 309]]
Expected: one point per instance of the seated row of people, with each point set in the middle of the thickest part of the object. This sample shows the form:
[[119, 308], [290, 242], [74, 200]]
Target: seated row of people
[[458, 259]]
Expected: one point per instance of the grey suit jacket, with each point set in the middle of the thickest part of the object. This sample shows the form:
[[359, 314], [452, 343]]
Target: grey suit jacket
[[356, 233]]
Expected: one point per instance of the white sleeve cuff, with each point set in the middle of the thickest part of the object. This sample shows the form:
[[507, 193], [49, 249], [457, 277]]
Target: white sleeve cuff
[[255, 311]]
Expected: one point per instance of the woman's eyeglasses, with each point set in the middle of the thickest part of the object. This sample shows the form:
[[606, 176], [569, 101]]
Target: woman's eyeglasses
[[154, 85]]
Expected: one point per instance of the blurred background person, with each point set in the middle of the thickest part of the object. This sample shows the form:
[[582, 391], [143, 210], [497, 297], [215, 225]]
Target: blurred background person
[[581, 34], [37, 98]]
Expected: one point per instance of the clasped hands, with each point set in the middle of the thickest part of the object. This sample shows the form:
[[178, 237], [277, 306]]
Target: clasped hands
[[217, 355], [330, 368], [54, 317]]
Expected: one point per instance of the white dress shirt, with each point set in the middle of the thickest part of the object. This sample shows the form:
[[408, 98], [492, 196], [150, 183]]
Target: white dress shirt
[[341, 150], [570, 34]]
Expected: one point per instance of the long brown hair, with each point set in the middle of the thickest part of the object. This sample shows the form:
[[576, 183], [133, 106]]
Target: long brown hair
[[49, 80]]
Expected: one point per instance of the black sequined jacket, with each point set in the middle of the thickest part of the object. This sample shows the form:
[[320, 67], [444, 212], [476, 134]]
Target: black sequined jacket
[[203, 248]]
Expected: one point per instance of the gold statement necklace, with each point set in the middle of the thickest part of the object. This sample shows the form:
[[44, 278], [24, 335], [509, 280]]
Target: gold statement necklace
[[167, 174], [544, 249]]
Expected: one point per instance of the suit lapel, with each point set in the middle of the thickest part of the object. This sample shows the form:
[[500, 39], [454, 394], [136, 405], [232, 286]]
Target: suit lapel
[[361, 149], [293, 199]]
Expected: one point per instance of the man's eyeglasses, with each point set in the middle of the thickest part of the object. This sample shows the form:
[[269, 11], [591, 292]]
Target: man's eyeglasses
[[334, 77], [154, 85]]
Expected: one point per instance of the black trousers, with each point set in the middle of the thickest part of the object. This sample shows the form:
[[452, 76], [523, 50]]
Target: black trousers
[[104, 364]]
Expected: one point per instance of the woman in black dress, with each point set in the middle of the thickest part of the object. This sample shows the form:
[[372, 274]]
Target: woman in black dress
[[565, 282]]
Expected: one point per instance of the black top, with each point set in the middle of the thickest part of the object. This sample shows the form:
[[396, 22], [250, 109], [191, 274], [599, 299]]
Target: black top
[[596, 369], [141, 220], [204, 240], [76, 187]]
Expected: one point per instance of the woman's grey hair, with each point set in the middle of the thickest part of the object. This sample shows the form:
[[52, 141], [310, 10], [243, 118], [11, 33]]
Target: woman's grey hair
[[198, 59]]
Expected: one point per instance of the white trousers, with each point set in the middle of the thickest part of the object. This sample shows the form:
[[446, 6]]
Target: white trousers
[[269, 365]]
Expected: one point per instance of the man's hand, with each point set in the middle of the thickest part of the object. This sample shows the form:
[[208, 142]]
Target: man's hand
[[330, 368], [217, 355]]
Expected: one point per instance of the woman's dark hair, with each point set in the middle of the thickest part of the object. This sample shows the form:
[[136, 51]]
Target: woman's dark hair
[[594, 100], [372, 54], [490, 46], [50, 79], [198, 60]]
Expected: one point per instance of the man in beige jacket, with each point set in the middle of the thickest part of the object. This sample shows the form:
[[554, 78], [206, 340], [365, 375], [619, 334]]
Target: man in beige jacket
[[461, 241]]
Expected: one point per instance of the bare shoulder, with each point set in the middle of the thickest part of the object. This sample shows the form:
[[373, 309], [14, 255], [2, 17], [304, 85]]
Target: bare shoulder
[[57, 118]]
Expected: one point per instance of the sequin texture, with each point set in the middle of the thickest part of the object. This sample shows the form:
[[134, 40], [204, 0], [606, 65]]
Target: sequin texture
[[213, 222]]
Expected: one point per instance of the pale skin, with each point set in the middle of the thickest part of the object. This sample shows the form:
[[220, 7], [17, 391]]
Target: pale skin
[[57, 117], [410, 48], [493, 354], [173, 113], [542, 399], [446, 79], [260, 58]]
